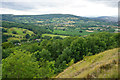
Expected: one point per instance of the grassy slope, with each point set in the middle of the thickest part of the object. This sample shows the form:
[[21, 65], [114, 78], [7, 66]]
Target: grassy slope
[[102, 65], [19, 34], [52, 35]]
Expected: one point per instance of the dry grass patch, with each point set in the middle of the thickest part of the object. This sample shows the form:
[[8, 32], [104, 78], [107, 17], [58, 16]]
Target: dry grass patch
[[102, 65]]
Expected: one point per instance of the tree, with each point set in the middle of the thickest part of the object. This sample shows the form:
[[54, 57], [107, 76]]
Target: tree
[[54, 46], [79, 48], [80, 31], [47, 37], [24, 31], [27, 36], [57, 37], [4, 30], [89, 54], [64, 58], [15, 41], [19, 65], [66, 54], [71, 62], [45, 54], [22, 64], [14, 32], [7, 45], [117, 39], [46, 69]]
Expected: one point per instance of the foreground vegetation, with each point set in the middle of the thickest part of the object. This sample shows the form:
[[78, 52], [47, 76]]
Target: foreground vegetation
[[50, 57], [102, 65]]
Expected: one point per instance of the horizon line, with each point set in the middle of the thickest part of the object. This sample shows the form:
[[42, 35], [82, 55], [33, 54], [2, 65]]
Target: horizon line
[[58, 13]]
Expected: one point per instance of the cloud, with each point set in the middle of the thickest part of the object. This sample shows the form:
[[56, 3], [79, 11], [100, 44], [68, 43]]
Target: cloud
[[17, 5], [76, 7], [110, 3], [31, 5]]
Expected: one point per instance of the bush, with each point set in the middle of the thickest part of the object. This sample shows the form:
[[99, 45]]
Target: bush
[[14, 32], [3, 30], [15, 41], [46, 37], [57, 37], [27, 36]]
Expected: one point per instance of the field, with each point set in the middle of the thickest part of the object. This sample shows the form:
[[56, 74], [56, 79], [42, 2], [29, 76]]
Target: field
[[20, 33], [73, 32], [52, 35], [102, 65]]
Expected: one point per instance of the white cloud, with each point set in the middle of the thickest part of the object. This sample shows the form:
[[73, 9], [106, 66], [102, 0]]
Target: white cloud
[[16, 12], [76, 7]]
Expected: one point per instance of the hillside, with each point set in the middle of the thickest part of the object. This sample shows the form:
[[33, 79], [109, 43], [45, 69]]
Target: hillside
[[59, 24], [102, 65], [107, 18], [16, 33], [56, 19]]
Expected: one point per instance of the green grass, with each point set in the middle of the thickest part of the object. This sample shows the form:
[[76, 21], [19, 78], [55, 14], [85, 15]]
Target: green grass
[[20, 35], [73, 32], [102, 65], [52, 35], [19, 31]]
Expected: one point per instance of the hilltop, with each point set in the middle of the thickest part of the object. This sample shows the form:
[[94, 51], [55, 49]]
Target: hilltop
[[35, 18], [102, 65]]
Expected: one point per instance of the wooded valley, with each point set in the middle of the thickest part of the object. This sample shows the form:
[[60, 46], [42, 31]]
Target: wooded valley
[[42, 46]]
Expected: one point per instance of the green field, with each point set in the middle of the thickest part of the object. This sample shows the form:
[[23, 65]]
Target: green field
[[102, 65], [73, 32], [52, 35], [19, 33]]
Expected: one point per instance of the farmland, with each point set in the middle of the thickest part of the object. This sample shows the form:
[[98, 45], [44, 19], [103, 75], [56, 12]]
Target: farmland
[[17, 33], [73, 32], [52, 35]]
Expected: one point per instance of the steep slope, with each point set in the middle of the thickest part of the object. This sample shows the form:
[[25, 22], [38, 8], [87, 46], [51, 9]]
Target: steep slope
[[102, 65]]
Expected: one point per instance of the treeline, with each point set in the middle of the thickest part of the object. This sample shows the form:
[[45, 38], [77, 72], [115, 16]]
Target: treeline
[[38, 30], [50, 57], [47, 19], [32, 27]]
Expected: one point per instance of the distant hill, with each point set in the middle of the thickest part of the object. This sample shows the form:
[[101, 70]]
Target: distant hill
[[102, 65], [63, 24], [107, 18], [11, 17], [34, 18], [59, 19]]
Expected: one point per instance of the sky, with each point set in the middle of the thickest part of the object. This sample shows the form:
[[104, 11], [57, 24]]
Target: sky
[[87, 8]]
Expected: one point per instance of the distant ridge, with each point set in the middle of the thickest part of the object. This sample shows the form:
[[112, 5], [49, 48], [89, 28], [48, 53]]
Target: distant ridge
[[12, 17], [107, 18]]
